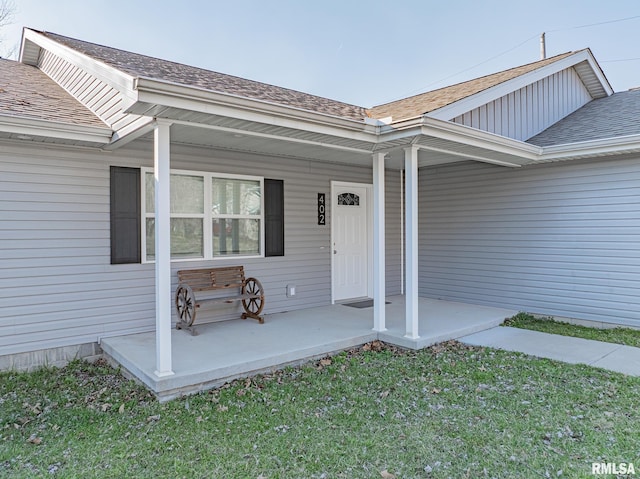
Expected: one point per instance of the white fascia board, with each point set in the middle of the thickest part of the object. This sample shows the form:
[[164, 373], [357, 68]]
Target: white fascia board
[[173, 95], [269, 136], [131, 132], [52, 129], [606, 146], [113, 77], [411, 130], [472, 102], [473, 137]]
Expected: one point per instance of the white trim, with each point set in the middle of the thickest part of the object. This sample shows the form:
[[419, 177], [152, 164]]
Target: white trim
[[411, 226], [402, 219], [207, 219], [132, 131], [270, 136], [379, 262], [168, 89], [604, 146], [161, 168], [112, 76], [369, 213], [54, 129]]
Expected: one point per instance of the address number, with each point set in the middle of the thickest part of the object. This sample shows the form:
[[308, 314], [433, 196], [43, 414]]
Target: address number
[[322, 208]]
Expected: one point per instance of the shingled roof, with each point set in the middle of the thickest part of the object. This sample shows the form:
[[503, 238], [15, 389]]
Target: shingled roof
[[138, 65], [609, 117], [423, 103], [27, 92]]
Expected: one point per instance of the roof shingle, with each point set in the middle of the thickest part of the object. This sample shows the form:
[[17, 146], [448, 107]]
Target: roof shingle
[[27, 92], [609, 117], [138, 65], [418, 105]]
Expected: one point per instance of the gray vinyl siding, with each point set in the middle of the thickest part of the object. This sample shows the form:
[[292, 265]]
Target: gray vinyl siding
[[57, 286], [394, 224], [558, 238], [526, 112]]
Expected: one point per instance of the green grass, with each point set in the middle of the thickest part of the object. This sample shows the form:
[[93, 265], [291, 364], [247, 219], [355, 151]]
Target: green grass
[[630, 337], [450, 411]]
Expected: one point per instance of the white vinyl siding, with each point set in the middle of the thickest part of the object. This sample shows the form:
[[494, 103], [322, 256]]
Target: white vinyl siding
[[558, 239], [103, 100], [526, 112], [57, 286]]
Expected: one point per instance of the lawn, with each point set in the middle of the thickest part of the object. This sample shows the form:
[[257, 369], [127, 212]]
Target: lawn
[[376, 412], [618, 335]]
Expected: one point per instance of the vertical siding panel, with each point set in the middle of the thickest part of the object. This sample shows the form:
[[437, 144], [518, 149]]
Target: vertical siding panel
[[482, 118], [498, 116], [87, 89]]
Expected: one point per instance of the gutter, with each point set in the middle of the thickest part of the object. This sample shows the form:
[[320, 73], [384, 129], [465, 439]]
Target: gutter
[[583, 149], [54, 129], [150, 89]]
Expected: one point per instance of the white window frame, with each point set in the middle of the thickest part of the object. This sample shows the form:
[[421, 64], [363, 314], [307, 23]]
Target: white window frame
[[207, 216]]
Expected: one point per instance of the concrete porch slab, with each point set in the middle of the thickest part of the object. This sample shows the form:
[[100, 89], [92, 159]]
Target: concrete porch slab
[[440, 321], [228, 350]]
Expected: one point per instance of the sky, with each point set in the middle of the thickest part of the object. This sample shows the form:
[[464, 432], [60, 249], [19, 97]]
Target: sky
[[363, 52]]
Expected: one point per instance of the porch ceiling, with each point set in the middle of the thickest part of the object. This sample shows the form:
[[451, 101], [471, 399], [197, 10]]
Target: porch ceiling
[[272, 140]]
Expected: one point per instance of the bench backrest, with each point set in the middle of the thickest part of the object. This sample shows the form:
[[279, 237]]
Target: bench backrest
[[207, 279]]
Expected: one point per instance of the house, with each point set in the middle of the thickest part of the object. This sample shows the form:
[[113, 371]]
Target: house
[[520, 190]]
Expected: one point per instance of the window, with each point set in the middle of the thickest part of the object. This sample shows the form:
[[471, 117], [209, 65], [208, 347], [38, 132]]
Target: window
[[348, 199], [212, 215]]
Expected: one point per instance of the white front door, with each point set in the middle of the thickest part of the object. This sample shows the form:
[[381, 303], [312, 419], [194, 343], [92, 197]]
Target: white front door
[[351, 238]]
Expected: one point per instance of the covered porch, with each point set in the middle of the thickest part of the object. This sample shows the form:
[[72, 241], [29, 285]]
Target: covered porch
[[223, 351]]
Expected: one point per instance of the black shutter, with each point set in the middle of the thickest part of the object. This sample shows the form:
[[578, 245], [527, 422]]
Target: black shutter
[[125, 215], [274, 217]]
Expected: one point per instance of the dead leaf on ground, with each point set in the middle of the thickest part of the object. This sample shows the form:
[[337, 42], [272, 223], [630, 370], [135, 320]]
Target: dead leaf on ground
[[105, 407], [387, 475], [384, 394], [325, 362], [222, 408], [153, 418], [33, 439], [435, 391], [121, 408]]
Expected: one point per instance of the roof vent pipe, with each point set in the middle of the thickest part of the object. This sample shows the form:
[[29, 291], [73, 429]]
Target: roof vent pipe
[[543, 47]]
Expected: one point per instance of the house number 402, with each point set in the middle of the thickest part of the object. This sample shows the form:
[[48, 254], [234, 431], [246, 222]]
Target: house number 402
[[322, 208]]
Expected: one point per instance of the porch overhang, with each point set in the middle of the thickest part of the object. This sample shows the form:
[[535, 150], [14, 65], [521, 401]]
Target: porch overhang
[[45, 131], [202, 117]]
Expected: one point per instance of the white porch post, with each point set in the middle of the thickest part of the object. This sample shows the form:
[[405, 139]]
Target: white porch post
[[379, 287], [411, 241], [161, 168]]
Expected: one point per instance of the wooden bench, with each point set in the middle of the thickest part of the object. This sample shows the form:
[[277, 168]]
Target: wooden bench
[[248, 290]]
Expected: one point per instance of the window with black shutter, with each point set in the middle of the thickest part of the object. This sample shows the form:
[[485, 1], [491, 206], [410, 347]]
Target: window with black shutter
[[125, 215], [274, 217]]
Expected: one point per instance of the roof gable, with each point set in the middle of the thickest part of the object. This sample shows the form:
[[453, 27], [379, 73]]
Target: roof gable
[[143, 66], [448, 102], [26, 92]]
